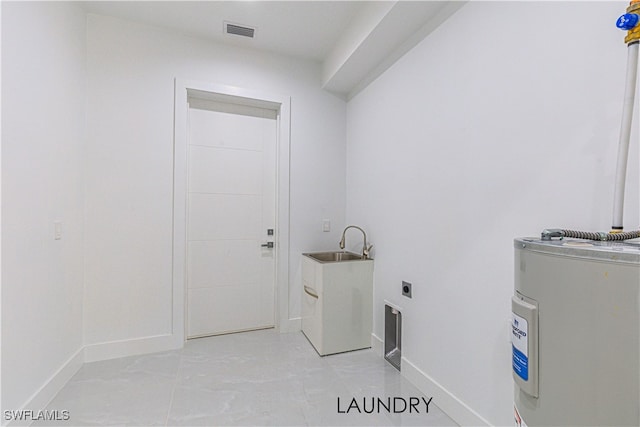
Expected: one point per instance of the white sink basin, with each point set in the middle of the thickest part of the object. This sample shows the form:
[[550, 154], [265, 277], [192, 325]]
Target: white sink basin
[[334, 256], [337, 301]]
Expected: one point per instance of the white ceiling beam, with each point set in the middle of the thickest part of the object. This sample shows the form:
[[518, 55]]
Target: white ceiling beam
[[377, 38], [354, 36]]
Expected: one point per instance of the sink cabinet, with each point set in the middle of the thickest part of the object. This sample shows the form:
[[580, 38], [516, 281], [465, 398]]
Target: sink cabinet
[[337, 304]]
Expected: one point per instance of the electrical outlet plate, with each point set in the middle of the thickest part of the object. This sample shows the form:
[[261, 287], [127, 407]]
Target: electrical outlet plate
[[57, 230], [406, 289]]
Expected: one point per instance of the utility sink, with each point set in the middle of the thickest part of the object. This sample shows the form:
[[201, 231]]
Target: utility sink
[[335, 256], [337, 301]]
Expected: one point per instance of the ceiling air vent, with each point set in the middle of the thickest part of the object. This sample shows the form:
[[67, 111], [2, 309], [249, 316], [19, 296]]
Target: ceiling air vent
[[239, 30]]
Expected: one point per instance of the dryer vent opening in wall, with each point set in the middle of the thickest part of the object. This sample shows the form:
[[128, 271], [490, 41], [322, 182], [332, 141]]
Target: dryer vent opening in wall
[[239, 30], [392, 336]]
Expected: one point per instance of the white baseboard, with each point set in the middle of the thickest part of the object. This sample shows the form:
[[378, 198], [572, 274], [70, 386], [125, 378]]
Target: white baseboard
[[41, 398], [132, 347], [445, 400], [377, 345], [290, 325]]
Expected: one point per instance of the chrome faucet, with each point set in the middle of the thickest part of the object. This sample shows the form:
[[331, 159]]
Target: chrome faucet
[[365, 248]]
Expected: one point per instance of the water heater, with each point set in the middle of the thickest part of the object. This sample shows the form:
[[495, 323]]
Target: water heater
[[576, 333]]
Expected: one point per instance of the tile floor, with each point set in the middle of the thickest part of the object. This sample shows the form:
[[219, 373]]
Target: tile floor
[[260, 378]]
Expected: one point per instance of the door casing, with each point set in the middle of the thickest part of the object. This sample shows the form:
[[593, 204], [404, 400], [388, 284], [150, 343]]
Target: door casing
[[184, 89]]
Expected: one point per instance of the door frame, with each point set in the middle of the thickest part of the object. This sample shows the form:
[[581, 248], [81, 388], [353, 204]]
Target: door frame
[[247, 97]]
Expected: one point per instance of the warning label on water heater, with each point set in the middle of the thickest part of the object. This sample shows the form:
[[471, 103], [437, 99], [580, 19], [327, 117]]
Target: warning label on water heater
[[519, 343]]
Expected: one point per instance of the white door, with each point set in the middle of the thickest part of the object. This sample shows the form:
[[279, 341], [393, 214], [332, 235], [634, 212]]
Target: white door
[[231, 208]]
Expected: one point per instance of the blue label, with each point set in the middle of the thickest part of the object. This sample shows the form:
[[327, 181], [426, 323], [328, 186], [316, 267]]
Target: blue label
[[520, 364]]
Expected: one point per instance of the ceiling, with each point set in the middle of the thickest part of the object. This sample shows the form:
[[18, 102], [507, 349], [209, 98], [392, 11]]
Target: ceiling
[[355, 41], [303, 29]]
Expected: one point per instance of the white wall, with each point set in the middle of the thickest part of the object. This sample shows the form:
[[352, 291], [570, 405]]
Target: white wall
[[131, 70], [43, 101], [504, 121]]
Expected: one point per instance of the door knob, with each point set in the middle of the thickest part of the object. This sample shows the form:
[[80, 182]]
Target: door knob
[[267, 245]]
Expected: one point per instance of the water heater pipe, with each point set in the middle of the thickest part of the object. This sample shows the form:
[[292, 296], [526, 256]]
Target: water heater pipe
[[625, 136], [630, 22], [558, 233]]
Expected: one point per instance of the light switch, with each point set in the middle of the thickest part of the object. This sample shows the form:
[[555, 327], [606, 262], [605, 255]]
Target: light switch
[[326, 225], [57, 230]]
